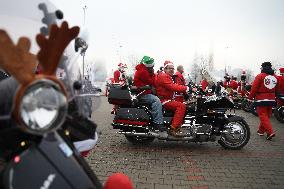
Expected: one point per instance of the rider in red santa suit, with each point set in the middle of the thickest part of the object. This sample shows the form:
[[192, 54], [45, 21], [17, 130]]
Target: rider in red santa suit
[[166, 89], [226, 82], [242, 84], [179, 79], [204, 84], [234, 84], [280, 88], [263, 90], [119, 74]]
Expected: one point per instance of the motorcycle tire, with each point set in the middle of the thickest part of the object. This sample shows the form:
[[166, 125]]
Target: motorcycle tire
[[279, 114], [139, 139], [229, 141]]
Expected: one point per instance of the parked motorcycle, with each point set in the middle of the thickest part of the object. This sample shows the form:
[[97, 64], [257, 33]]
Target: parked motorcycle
[[279, 109], [205, 120]]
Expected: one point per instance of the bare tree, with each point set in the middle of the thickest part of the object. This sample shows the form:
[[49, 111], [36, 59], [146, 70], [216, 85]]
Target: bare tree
[[250, 75], [211, 61], [195, 72], [133, 60]]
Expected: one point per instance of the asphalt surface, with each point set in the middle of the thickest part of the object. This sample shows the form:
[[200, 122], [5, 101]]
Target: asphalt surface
[[173, 165]]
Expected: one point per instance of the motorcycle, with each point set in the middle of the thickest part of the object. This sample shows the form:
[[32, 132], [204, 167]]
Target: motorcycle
[[205, 120], [30, 140], [279, 109]]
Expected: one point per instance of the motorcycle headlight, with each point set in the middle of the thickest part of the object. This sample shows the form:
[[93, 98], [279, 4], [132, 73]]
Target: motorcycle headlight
[[43, 107]]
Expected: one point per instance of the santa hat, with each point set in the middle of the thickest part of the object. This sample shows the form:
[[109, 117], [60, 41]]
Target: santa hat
[[118, 180], [147, 61], [168, 63], [120, 65], [281, 70]]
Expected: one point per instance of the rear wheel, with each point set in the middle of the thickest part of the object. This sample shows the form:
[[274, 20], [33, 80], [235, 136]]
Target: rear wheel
[[279, 114], [235, 135], [139, 139]]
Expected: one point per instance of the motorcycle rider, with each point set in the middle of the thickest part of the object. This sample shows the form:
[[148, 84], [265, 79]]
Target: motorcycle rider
[[119, 74], [226, 82], [242, 84], [143, 76], [165, 91], [263, 90], [280, 90], [204, 84], [234, 84], [179, 79]]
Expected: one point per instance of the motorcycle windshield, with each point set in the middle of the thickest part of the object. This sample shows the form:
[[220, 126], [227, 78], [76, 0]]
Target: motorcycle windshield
[[24, 18], [29, 18]]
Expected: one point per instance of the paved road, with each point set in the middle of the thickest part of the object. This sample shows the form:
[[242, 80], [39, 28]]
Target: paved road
[[180, 165]]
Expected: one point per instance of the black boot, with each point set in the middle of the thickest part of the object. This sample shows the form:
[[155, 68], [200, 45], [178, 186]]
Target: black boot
[[160, 131]]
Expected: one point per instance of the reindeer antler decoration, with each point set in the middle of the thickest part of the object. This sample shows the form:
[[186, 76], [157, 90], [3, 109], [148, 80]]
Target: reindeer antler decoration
[[16, 59], [52, 48]]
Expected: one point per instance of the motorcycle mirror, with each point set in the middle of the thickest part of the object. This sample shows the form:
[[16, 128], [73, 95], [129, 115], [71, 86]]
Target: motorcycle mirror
[[59, 14], [77, 85]]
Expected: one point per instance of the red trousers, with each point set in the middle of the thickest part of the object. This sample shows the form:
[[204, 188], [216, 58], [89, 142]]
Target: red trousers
[[264, 114], [179, 109]]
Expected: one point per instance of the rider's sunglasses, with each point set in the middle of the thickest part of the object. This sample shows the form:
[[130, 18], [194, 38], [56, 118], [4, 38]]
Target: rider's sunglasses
[[171, 68]]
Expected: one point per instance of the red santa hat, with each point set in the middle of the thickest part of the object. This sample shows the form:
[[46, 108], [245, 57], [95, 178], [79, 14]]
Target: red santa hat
[[120, 65], [281, 70], [168, 63]]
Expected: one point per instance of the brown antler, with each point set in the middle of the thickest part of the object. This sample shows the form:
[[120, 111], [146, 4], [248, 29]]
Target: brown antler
[[16, 59], [52, 48]]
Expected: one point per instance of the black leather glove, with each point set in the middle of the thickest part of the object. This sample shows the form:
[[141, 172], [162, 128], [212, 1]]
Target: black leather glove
[[186, 96]]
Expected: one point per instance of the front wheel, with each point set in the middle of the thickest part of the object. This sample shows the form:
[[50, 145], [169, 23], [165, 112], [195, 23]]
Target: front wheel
[[279, 114], [139, 139], [235, 135]]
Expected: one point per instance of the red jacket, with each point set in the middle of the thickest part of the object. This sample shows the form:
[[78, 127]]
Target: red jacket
[[143, 77], [166, 87], [241, 88], [280, 88], [204, 84], [233, 85], [179, 79], [118, 76], [263, 89], [226, 84]]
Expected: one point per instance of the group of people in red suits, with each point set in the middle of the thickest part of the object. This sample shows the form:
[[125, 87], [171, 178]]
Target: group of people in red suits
[[171, 90]]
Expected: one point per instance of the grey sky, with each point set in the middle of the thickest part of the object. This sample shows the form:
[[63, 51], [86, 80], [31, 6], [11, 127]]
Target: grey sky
[[177, 29]]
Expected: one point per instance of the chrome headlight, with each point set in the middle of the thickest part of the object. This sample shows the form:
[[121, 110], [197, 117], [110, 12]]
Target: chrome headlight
[[43, 107]]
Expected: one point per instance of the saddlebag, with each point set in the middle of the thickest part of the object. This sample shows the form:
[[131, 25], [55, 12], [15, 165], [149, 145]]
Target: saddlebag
[[132, 116], [119, 95]]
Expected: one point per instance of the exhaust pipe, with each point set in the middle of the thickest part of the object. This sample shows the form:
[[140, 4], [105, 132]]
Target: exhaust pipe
[[136, 134]]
